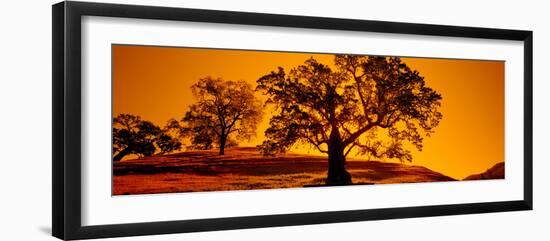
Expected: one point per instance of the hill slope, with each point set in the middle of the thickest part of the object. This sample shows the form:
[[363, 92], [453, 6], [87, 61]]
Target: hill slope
[[495, 172], [244, 168]]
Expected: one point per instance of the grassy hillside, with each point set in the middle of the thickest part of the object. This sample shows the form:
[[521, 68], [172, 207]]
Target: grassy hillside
[[243, 168]]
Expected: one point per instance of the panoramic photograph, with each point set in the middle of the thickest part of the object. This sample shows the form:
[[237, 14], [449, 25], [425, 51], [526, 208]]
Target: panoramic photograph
[[197, 120]]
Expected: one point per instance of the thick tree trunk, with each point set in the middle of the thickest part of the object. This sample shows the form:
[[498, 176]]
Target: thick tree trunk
[[121, 154], [337, 173], [222, 145]]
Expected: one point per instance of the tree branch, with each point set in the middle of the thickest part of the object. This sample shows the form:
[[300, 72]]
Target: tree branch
[[358, 133], [316, 144], [350, 148]]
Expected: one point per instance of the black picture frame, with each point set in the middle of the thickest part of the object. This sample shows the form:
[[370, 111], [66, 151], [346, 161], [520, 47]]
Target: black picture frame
[[66, 58]]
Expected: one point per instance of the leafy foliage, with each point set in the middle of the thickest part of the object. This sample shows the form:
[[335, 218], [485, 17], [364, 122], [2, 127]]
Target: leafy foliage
[[224, 111], [350, 107], [132, 135]]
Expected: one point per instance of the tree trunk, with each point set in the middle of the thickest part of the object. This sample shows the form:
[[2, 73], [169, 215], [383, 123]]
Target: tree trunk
[[337, 173], [121, 154], [222, 144]]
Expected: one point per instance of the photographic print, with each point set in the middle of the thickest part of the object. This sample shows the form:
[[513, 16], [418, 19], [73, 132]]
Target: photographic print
[[177, 110], [197, 119]]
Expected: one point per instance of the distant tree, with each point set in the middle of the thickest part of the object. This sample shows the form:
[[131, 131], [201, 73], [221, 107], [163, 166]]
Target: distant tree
[[338, 110], [132, 135], [169, 138], [224, 111]]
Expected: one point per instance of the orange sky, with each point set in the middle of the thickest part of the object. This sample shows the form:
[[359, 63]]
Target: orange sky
[[153, 82]]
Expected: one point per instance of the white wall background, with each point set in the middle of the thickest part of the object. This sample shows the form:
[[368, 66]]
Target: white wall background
[[25, 117]]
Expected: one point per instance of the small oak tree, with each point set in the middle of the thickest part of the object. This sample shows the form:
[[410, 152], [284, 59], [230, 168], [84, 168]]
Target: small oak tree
[[347, 108], [224, 111], [132, 135]]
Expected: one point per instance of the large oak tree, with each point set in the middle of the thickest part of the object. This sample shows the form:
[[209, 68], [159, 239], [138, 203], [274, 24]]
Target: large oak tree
[[368, 103], [225, 111]]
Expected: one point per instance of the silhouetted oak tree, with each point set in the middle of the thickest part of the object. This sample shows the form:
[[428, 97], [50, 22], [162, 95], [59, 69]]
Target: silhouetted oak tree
[[372, 104], [224, 111], [132, 135]]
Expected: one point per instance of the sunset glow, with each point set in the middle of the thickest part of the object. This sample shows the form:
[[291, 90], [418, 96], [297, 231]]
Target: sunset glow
[[154, 83]]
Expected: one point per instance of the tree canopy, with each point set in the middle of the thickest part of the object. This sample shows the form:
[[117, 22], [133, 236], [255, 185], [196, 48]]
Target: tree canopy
[[132, 135], [224, 111], [350, 106]]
